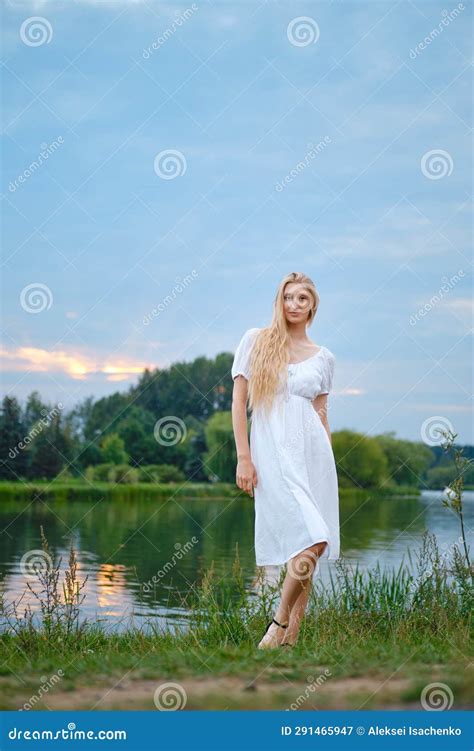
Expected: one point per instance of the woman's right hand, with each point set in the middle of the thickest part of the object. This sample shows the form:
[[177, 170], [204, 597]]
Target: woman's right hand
[[246, 476]]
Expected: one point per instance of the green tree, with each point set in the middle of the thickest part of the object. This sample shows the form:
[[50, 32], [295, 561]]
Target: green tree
[[102, 417], [408, 461], [161, 473], [197, 388], [136, 430], [35, 410], [220, 459], [13, 460], [438, 477], [50, 451], [113, 450], [86, 452], [195, 447], [361, 461]]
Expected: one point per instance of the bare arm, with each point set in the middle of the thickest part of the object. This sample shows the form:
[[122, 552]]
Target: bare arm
[[320, 404], [245, 474]]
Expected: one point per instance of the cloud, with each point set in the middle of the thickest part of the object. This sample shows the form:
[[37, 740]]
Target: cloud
[[75, 365], [399, 234], [461, 305], [352, 392], [56, 5]]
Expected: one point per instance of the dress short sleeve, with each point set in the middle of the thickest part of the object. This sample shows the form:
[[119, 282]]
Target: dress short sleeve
[[241, 363], [328, 372]]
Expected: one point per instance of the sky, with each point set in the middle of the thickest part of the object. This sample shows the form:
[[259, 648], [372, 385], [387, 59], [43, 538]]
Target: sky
[[165, 165]]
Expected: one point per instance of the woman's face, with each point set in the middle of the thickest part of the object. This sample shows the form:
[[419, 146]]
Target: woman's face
[[297, 302]]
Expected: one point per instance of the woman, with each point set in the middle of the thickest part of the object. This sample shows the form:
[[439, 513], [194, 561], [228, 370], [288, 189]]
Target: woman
[[289, 466]]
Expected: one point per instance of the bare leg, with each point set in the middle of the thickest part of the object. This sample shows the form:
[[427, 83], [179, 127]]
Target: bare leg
[[296, 616], [297, 584], [298, 609], [298, 580]]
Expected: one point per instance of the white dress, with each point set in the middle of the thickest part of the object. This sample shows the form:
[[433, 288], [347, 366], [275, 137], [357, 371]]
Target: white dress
[[296, 497]]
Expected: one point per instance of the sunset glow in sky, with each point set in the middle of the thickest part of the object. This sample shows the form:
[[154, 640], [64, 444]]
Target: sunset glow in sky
[[165, 165]]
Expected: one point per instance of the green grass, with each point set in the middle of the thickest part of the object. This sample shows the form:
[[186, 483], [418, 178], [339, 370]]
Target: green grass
[[348, 646], [76, 490], [397, 630], [79, 490]]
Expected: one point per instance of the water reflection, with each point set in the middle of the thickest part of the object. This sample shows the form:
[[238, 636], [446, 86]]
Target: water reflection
[[142, 562]]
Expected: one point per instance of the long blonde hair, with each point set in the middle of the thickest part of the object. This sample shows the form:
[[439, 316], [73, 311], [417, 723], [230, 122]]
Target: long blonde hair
[[270, 352]]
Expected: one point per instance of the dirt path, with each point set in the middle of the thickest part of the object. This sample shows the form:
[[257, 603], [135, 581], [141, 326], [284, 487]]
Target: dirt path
[[222, 693]]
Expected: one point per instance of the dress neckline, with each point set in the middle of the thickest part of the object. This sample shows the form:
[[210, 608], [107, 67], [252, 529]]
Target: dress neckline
[[308, 358]]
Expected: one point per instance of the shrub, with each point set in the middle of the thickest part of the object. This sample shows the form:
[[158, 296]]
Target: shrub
[[90, 474], [150, 473], [100, 472], [123, 474], [161, 473]]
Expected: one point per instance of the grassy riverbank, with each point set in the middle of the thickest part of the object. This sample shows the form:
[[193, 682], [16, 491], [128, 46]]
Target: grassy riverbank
[[79, 490], [372, 640], [82, 491]]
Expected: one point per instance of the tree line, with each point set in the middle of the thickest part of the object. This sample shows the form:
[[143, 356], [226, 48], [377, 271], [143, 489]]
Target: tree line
[[175, 424]]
